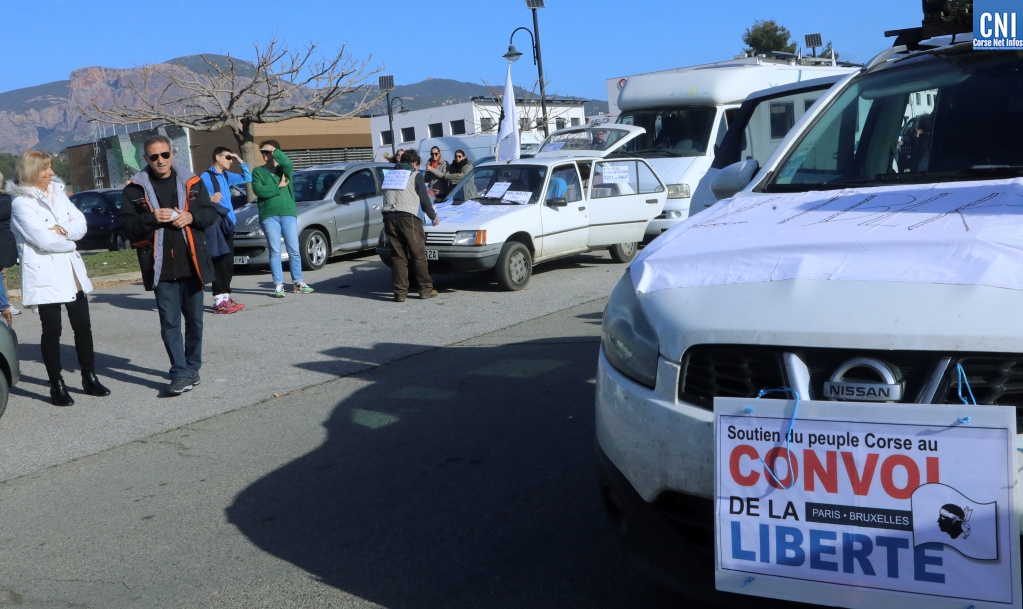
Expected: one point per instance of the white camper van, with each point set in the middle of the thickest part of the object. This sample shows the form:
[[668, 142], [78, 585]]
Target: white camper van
[[686, 113]]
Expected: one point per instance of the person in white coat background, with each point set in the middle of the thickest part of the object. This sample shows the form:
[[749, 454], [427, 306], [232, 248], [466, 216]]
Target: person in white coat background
[[46, 225]]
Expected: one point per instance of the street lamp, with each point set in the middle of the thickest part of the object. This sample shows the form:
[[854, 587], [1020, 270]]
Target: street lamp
[[513, 55], [387, 84]]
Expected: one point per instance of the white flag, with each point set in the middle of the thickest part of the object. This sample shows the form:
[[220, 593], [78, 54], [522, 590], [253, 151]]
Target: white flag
[[832, 56], [942, 514], [508, 133]]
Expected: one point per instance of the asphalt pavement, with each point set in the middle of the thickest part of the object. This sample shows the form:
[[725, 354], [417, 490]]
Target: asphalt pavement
[[342, 450]]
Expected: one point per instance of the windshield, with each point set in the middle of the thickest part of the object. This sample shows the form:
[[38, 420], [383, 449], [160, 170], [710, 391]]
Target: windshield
[[683, 131], [584, 139], [501, 185], [314, 185], [933, 118]]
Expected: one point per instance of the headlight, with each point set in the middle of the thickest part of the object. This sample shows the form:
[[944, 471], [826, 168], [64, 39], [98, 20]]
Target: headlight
[[257, 232], [678, 191], [471, 237], [629, 341]]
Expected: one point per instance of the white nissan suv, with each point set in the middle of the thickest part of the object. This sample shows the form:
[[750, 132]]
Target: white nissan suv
[[853, 258]]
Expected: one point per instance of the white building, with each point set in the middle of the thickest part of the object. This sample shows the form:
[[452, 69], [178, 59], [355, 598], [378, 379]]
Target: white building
[[477, 116]]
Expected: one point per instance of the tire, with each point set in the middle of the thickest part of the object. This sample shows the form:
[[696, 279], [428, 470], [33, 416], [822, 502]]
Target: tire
[[315, 249], [5, 391], [514, 266], [119, 242], [623, 252]]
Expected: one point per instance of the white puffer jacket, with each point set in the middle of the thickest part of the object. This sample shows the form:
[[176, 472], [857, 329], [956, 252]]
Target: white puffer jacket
[[49, 262]]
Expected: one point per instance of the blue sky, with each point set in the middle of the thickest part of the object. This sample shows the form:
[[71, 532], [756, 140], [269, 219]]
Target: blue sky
[[583, 42]]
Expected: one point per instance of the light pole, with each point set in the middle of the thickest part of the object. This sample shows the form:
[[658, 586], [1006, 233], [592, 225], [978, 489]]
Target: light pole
[[387, 84], [513, 55]]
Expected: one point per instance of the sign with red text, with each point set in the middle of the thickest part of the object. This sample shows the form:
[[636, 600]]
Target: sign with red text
[[867, 505]]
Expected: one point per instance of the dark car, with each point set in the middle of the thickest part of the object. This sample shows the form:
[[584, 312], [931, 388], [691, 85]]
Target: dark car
[[101, 208]]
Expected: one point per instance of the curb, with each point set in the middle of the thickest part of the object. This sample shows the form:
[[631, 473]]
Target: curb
[[100, 282]]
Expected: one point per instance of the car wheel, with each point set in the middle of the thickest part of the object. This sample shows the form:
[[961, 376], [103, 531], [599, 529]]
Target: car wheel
[[514, 266], [119, 242], [314, 247], [623, 252], [5, 391]]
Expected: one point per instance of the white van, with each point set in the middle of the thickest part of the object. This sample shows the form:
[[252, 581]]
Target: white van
[[830, 265], [686, 113]]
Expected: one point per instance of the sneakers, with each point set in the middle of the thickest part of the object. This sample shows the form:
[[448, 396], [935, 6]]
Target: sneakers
[[195, 378], [279, 291], [399, 298], [425, 295], [180, 385], [13, 311], [228, 306], [302, 288]]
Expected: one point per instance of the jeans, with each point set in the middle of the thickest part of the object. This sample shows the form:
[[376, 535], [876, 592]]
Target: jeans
[[274, 226], [78, 314], [174, 300]]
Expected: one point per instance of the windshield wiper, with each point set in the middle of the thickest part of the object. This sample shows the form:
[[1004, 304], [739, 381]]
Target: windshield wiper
[[661, 151]]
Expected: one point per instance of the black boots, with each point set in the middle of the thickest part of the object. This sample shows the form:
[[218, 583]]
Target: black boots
[[92, 386], [59, 395]]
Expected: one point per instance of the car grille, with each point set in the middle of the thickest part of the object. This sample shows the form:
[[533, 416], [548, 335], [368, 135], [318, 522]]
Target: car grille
[[741, 371], [440, 238]]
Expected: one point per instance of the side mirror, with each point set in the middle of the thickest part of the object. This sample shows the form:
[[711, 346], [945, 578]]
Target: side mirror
[[733, 178], [345, 198], [558, 202], [99, 210]]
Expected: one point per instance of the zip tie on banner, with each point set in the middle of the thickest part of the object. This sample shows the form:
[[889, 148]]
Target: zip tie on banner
[[962, 380], [788, 436]]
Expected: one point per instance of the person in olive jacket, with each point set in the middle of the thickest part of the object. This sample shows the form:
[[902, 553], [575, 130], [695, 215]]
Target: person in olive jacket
[[165, 210]]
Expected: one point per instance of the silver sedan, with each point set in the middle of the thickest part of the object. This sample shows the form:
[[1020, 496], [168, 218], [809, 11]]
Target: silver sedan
[[338, 211]]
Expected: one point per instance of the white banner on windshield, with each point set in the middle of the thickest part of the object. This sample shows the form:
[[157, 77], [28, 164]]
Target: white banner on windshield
[[965, 233], [867, 505]]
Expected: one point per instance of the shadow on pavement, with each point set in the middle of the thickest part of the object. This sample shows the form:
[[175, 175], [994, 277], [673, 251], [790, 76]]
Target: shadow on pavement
[[459, 478]]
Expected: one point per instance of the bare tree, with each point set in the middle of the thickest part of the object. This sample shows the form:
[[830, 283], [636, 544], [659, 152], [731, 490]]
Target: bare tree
[[280, 84]]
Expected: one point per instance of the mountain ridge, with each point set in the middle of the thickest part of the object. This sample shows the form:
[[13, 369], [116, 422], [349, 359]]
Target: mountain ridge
[[46, 117]]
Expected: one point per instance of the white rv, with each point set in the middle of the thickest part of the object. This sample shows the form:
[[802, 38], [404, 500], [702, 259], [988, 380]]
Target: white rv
[[686, 112]]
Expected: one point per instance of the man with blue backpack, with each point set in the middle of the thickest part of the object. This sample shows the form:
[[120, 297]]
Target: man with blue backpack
[[220, 236]]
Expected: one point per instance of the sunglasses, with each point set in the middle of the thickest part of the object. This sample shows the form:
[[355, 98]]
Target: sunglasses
[[266, 152], [159, 155], [434, 154]]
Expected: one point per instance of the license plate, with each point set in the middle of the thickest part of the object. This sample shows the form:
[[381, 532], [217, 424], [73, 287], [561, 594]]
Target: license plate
[[432, 255], [241, 259]]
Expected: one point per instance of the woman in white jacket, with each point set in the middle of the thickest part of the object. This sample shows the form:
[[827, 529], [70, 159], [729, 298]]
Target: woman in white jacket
[[46, 225]]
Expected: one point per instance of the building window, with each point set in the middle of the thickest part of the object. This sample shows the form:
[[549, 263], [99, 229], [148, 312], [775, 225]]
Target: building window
[[487, 124], [525, 124], [408, 134], [929, 100], [457, 127], [436, 129], [386, 138], [807, 103], [783, 116], [575, 121], [559, 123], [918, 99]]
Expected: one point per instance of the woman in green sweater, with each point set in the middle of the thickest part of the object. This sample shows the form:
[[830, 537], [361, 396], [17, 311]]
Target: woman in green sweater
[[277, 214]]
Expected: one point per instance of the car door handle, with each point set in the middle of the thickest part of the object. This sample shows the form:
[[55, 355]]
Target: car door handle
[[651, 200], [582, 208]]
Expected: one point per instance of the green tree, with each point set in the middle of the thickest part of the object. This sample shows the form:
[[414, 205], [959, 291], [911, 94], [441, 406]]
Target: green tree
[[767, 35]]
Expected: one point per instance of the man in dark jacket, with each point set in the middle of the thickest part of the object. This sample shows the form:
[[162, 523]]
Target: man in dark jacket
[[165, 210]]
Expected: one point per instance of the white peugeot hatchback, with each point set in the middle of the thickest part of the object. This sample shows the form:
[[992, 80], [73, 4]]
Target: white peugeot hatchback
[[850, 244]]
